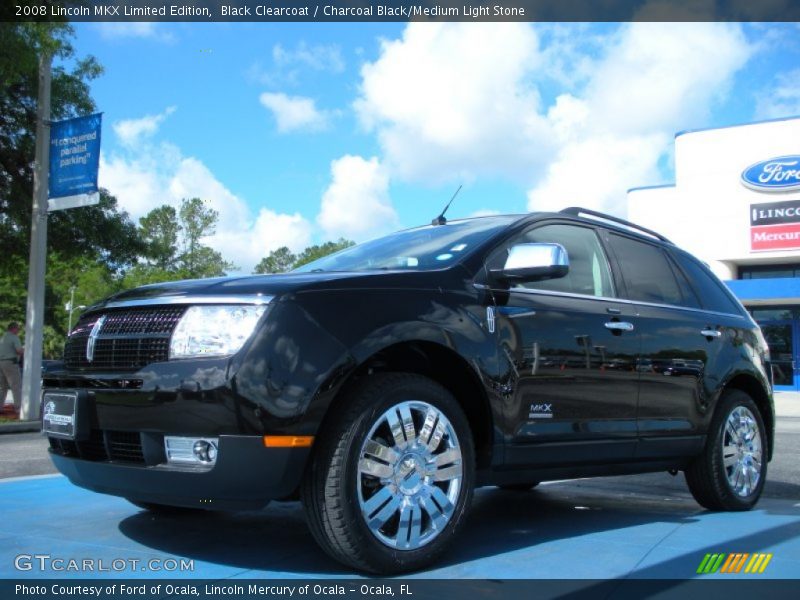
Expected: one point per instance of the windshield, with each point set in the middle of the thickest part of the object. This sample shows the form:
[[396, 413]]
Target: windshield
[[421, 249]]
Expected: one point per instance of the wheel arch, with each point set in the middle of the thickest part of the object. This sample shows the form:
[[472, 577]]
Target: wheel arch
[[442, 365], [750, 385]]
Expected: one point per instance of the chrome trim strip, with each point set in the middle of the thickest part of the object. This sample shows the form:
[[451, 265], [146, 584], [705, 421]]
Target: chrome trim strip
[[166, 300], [480, 286]]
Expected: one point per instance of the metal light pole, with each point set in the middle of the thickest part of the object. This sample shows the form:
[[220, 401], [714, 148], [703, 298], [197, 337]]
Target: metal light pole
[[72, 308], [34, 319]]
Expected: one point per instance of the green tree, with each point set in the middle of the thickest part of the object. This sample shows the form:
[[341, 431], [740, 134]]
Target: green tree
[[197, 221], [144, 274], [98, 241], [85, 231], [312, 253], [277, 261], [159, 231], [91, 278], [101, 231]]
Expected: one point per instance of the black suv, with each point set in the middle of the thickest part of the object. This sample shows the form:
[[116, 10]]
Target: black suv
[[383, 383]]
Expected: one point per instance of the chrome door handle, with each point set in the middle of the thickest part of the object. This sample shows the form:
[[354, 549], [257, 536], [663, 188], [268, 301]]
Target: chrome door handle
[[619, 326], [710, 333]]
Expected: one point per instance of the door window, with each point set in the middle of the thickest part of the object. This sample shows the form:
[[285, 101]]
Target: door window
[[647, 273], [588, 274]]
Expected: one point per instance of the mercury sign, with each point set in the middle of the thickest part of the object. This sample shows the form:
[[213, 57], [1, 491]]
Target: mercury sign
[[74, 159], [780, 174], [775, 226]]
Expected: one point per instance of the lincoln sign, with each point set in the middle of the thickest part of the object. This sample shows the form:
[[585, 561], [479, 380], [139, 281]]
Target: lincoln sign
[[775, 226]]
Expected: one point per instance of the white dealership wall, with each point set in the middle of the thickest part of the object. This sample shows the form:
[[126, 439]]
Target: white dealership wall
[[707, 210]]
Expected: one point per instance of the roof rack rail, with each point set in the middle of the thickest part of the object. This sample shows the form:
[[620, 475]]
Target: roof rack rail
[[577, 211]]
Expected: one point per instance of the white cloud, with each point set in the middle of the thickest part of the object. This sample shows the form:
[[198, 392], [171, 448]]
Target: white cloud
[[290, 65], [157, 174], [133, 29], [782, 99], [452, 101], [317, 57], [294, 113], [356, 205], [459, 101], [131, 131], [653, 79]]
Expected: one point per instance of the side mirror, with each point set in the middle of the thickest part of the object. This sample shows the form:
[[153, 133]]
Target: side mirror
[[534, 262]]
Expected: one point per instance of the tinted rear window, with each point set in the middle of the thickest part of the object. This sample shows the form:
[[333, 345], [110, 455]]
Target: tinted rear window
[[647, 272], [713, 295]]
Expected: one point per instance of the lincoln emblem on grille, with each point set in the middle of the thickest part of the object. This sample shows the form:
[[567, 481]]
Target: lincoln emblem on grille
[[93, 338]]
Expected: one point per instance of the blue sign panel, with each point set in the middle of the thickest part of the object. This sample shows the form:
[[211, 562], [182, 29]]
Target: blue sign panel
[[780, 174], [74, 156]]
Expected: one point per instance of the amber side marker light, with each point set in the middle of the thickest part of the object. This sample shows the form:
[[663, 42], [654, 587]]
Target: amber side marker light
[[288, 441]]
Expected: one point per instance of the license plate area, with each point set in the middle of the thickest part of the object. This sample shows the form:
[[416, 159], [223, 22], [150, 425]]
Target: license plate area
[[61, 415]]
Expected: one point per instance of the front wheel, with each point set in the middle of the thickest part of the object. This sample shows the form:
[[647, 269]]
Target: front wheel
[[730, 473], [392, 475]]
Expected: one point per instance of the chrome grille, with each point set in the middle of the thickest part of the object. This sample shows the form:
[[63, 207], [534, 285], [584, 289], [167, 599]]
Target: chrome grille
[[129, 339]]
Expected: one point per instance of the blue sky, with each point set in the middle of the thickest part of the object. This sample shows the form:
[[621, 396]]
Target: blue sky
[[299, 133]]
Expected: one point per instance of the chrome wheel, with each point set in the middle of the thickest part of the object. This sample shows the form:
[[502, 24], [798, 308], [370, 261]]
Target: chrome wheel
[[742, 451], [410, 474]]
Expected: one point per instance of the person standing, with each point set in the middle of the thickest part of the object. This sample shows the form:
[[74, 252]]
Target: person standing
[[10, 352]]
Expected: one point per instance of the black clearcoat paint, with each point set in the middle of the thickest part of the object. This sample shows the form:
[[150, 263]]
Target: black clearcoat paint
[[616, 403]]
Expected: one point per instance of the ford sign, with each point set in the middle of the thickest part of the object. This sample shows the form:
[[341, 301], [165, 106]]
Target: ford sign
[[781, 174]]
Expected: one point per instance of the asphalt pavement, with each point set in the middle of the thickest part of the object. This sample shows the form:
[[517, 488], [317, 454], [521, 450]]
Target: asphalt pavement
[[628, 528]]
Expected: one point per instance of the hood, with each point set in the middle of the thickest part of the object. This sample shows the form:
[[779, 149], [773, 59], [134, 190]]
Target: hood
[[274, 285]]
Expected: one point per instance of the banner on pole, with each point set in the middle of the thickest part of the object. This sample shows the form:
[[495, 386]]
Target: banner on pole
[[74, 160]]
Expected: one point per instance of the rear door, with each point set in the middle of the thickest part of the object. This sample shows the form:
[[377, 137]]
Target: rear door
[[681, 343]]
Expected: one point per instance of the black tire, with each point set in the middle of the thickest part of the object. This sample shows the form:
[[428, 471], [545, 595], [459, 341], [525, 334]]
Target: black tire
[[708, 477], [163, 509], [518, 487], [336, 486]]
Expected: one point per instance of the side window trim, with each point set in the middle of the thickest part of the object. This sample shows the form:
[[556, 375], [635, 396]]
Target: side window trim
[[618, 281]]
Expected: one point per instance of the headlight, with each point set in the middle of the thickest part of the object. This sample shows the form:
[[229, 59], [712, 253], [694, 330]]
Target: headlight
[[214, 330]]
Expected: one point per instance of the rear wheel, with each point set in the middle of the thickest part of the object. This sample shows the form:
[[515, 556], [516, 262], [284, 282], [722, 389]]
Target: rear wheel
[[730, 473], [392, 475]]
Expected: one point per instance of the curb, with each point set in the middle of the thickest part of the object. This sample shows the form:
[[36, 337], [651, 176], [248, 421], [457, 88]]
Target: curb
[[20, 426]]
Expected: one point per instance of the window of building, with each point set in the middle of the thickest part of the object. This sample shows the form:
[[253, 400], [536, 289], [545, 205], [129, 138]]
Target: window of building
[[769, 271], [771, 314]]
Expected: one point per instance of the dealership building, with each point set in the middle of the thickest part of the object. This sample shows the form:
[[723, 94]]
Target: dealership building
[[735, 204]]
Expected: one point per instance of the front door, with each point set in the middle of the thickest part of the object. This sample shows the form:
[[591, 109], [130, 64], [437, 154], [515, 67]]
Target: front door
[[571, 351]]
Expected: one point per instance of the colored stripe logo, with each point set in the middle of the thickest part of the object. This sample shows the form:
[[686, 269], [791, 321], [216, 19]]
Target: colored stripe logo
[[734, 563]]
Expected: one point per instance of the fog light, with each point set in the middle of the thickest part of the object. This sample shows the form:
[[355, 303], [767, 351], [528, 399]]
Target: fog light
[[205, 451], [191, 450]]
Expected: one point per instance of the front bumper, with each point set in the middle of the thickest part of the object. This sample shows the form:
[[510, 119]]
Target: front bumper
[[246, 476]]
